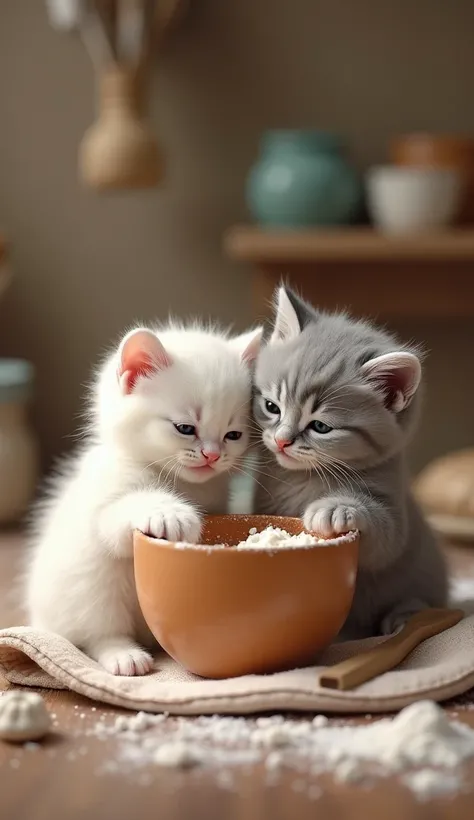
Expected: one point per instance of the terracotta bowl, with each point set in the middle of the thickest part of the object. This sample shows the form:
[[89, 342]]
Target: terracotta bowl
[[223, 612]]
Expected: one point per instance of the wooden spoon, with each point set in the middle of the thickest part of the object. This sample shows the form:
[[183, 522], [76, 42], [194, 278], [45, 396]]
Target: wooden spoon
[[386, 656]]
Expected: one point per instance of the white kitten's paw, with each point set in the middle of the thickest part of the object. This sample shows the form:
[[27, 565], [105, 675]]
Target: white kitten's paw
[[120, 656], [328, 518], [173, 520], [127, 661]]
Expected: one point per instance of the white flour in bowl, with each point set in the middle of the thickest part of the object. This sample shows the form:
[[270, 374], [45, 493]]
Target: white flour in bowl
[[274, 538]]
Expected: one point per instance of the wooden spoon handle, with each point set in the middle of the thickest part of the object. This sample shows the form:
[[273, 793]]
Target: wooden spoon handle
[[386, 656]]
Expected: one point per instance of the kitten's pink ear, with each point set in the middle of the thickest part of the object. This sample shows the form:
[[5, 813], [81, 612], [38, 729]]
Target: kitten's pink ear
[[248, 344], [397, 376], [141, 354]]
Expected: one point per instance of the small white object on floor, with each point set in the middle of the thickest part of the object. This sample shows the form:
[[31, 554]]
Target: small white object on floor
[[177, 754], [271, 737], [319, 721], [429, 783], [23, 717], [273, 761], [349, 771]]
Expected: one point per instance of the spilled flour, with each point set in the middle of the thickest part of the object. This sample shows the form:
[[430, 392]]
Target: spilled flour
[[420, 745]]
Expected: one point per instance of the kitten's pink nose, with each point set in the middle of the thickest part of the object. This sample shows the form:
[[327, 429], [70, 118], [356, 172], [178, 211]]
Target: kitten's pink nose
[[211, 455], [281, 443]]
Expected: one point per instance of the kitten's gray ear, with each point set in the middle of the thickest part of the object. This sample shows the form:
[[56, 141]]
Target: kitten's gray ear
[[140, 354], [396, 376], [248, 344], [291, 316]]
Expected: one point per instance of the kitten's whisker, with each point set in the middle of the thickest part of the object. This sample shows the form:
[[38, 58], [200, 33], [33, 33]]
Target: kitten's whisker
[[249, 475], [347, 469], [313, 465], [339, 390], [332, 468], [270, 475], [168, 465], [254, 430], [255, 468], [154, 464], [178, 473], [343, 408], [321, 474], [334, 475], [244, 403], [353, 480]]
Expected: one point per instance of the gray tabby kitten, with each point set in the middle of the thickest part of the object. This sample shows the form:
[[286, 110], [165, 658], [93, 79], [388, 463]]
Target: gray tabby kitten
[[337, 400]]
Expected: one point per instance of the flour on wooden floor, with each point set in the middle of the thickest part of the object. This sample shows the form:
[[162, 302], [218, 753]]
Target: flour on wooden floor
[[421, 745]]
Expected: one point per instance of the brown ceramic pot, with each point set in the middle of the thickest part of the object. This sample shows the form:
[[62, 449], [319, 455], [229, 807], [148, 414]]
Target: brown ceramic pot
[[424, 150], [227, 612]]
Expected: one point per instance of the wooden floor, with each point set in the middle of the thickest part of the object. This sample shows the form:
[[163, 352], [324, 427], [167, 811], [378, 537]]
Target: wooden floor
[[70, 776]]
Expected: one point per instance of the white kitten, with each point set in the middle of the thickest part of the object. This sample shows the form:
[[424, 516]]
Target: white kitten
[[169, 420]]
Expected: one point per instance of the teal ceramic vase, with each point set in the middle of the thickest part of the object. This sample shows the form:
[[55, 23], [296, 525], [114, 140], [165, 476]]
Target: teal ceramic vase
[[302, 179]]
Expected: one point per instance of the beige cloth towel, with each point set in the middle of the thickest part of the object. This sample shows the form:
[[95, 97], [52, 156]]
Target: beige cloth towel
[[440, 668]]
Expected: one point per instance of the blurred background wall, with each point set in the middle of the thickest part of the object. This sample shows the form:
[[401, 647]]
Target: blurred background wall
[[86, 266]]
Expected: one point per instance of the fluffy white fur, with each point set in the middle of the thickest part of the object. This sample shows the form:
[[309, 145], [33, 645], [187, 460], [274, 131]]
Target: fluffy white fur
[[135, 470]]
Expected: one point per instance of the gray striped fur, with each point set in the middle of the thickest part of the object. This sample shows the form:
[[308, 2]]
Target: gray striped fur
[[326, 367]]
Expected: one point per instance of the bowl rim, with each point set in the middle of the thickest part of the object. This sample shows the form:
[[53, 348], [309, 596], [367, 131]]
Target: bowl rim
[[180, 546]]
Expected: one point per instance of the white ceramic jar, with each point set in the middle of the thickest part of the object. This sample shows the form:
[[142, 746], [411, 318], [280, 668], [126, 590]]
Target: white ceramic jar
[[18, 446]]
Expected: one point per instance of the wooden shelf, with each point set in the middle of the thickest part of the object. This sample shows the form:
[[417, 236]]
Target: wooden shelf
[[388, 277], [253, 244]]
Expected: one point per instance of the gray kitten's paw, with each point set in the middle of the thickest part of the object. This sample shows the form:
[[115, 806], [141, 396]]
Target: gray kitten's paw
[[397, 618], [332, 517]]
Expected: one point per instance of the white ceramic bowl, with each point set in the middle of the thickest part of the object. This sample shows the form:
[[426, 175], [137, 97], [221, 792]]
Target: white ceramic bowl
[[410, 200]]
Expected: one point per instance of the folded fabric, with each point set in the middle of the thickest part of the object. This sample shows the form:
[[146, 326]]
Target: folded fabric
[[440, 668]]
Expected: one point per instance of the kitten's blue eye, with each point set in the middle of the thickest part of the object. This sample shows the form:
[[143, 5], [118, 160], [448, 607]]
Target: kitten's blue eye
[[186, 429], [271, 407], [319, 427], [233, 435]]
